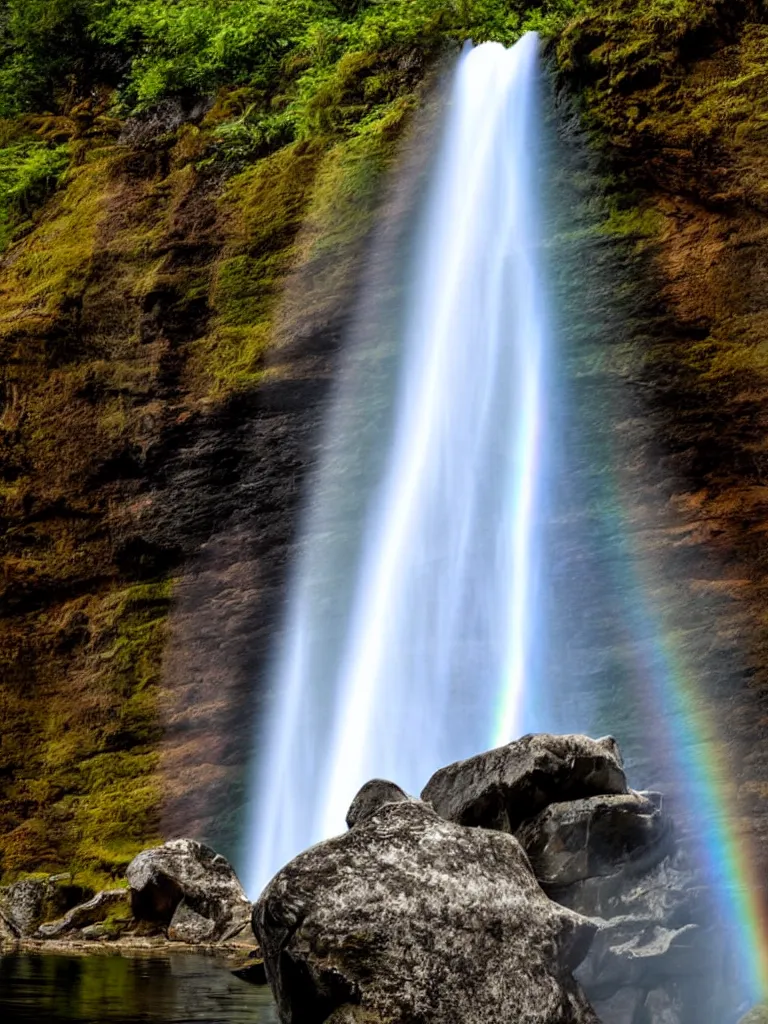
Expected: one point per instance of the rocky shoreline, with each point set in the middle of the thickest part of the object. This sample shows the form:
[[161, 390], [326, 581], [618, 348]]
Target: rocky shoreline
[[154, 945], [181, 894]]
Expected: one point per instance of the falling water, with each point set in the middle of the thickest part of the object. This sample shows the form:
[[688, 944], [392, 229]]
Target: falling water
[[429, 661]]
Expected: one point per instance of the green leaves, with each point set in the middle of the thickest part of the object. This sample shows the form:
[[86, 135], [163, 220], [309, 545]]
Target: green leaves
[[29, 171], [156, 48], [307, 68]]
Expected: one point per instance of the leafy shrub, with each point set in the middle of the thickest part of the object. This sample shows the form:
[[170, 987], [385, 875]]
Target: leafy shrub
[[29, 171]]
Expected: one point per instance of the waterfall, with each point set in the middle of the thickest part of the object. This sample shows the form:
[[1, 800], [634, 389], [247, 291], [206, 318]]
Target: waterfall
[[426, 662]]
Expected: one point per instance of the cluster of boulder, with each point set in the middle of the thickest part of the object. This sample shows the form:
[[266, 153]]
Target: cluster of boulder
[[528, 884], [182, 891]]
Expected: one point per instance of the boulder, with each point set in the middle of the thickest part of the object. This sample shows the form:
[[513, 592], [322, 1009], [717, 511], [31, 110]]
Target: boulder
[[409, 917], [8, 932], [371, 797], [188, 926], [502, 788], [568, 842], [93, 911], [658, 935], [25, 905], [22, 905], [186, 878]]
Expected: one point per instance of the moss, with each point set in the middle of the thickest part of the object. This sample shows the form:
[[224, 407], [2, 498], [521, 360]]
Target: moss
[[262, 210], [51, 270], [118, 919], [92, 793], [637, 223], [665, 77], [758, 1015]]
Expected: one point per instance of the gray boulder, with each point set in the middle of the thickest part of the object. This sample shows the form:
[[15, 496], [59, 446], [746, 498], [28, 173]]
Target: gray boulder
[[598, 836], [22, 906], [371, 797], [659, 945], [502, 788], [408, 917], [189, 926], [8, 932], [93, 911], [186, 878], [25, 905]]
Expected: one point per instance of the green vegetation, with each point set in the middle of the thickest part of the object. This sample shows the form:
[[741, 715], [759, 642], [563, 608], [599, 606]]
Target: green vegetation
[[150, 49], [296, 69], [90, 788]]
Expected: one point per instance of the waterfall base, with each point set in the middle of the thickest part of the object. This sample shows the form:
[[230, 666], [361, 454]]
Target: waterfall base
[[570, 901]]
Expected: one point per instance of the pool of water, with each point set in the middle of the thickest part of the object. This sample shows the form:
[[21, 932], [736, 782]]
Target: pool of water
[[115, 989]]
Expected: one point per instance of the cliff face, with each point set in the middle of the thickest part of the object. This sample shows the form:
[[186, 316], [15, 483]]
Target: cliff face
[[141, 414], [677, 106], [162, 399]]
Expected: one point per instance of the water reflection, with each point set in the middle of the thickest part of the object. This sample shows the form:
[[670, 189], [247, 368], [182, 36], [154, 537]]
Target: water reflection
[[114, 989]]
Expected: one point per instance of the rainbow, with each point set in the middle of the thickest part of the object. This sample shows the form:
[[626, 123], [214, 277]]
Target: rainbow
[[698, 756]]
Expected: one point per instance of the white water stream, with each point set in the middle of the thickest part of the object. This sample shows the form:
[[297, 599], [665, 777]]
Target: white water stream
[[430, 660]]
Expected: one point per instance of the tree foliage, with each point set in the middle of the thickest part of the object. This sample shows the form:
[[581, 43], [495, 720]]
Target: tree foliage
[[302, 68], [53, 51]]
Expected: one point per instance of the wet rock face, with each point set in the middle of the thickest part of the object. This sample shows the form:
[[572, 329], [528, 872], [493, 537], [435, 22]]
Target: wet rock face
[[189, 889], [409, 917], [502, 788], [659, 953]]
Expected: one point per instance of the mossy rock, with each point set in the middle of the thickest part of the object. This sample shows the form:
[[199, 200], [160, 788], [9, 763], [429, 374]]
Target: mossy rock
[[758, 1015]]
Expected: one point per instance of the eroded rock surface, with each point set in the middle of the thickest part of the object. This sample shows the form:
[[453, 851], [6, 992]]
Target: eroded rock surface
[[415, 918], [502, 788], [660, 946], [189, 889]]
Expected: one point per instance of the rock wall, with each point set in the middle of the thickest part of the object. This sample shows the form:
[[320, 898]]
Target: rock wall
[[161, 404], [660, 567], [140, 416]]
